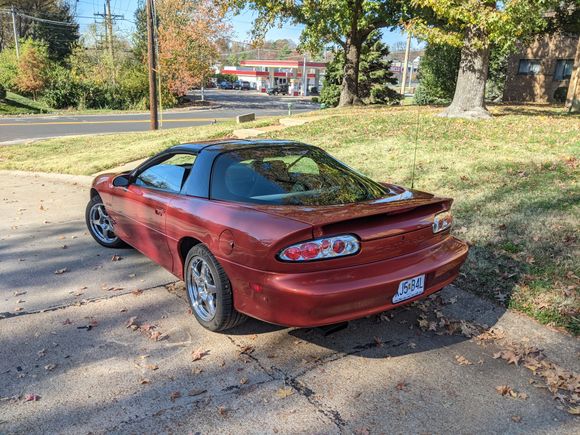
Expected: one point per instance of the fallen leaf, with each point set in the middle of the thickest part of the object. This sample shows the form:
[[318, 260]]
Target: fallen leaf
[[152, 366], [198, 354], [157, 336], [41, 352], [61, 271], [18, 309], [116, 258], [131, 322], [462, 361], [282, 393], [18, 293], [378, 342], [31, 398], [175, 395], [50, 367], [137, 292], [504, 390], [144, 381], [575, 410], [222, 410], [516, 418], [244, 381]]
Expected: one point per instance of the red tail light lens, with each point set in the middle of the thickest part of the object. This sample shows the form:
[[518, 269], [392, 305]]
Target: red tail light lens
[[320, 249]]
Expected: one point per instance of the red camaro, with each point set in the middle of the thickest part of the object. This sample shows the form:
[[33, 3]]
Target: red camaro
[[279, 231]]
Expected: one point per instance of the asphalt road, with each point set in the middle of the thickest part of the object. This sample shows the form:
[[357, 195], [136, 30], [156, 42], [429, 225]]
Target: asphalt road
[[232, 103], [70, 361]]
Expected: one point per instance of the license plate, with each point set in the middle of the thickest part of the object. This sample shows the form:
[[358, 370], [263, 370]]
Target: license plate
[[409, 289]]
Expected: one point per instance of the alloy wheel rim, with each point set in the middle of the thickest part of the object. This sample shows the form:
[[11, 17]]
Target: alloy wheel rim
[[202, 289], [101, 224]]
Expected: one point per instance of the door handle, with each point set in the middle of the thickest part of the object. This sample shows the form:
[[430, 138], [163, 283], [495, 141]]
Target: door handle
[[159, 211]]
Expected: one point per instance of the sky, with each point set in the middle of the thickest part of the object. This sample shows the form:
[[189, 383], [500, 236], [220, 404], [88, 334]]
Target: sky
[[241, 24]]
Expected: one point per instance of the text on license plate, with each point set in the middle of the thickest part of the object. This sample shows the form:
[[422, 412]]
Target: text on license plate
[[410, 288]]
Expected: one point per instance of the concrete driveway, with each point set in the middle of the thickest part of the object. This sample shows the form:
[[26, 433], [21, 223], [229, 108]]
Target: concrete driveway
[[109, 345]]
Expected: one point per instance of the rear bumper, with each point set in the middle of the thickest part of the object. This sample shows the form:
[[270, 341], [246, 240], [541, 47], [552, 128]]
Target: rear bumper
[[338, 295]]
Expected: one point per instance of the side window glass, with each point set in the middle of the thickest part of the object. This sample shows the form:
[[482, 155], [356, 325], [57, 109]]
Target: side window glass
[[168, 175]]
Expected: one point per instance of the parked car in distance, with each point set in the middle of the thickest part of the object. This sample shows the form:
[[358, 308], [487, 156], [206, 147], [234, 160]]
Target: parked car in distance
[[226, 85], [245, 86], [277, 230], [278, 90], [237, 85]]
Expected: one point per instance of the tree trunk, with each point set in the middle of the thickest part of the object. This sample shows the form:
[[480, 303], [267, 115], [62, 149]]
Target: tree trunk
[[349, 93], [573, 97], [469, 98]]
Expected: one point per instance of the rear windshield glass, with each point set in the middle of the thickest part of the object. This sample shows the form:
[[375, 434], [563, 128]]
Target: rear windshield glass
[[289, 175]]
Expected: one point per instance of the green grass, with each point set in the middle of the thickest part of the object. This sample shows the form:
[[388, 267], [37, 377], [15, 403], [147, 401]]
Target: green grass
[[15, 104], [514, 180]]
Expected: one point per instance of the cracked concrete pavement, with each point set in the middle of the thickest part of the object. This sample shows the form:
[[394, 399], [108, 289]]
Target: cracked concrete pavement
[[64, 339]]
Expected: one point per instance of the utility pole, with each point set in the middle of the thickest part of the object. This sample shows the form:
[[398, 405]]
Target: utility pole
[[16, 39], [406, 63], [109, 25], [108, 18], [154, 124], [304, 79]]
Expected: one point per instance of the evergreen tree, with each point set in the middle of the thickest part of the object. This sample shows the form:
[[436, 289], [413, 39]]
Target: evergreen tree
[[374, 78], [438, 74]]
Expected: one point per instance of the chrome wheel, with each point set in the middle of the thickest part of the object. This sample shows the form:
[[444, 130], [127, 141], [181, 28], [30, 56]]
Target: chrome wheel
[[101, 224], [201, 286]]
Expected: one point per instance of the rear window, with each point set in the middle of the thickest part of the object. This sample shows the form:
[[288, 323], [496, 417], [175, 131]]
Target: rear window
[[290, 176]]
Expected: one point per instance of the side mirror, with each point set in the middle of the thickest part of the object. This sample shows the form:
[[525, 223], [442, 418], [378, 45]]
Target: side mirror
[[121, 181]]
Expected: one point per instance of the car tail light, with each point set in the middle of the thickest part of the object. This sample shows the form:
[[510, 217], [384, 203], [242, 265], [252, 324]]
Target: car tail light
[[442, 221], [320, 249]]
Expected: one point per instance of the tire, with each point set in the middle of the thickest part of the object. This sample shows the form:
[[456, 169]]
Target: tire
[[202, 288], [104, 237]]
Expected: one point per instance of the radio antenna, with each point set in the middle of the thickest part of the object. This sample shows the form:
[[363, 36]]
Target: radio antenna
[[415, 153]]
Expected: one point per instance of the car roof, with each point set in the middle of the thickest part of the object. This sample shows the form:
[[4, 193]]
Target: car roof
[[222, 145]]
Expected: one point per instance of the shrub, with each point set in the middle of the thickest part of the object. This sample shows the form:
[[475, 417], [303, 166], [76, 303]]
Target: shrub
[[8, 68], [438, 74], [61, 91], [560, 94], [2, 93], [33, 67]]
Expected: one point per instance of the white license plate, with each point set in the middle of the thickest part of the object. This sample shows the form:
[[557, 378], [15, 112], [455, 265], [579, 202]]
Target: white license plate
[[409, 289]]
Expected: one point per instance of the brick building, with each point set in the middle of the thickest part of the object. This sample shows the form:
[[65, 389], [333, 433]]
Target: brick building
[[545, 71]]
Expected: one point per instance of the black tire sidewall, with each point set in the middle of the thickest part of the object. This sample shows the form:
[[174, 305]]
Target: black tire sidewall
[[97, 200], [224, 297]]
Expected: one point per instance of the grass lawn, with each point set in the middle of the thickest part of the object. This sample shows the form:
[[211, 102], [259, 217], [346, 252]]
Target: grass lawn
[[514, 180], [18, 105]]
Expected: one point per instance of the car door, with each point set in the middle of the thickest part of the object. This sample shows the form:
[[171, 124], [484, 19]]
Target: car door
[[142, 209]]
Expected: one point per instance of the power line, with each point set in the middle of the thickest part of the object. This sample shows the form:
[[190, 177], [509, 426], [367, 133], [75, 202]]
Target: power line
[[42, 20]]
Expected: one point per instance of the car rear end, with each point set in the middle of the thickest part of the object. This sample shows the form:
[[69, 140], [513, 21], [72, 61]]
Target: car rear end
[[357, 258], [389, 259]]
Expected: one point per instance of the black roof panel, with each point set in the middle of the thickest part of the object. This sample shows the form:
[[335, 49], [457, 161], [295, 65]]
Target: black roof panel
[[230, 144]]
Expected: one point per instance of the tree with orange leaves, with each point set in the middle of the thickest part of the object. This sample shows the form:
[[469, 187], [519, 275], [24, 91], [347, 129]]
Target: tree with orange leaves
[[188, 36]]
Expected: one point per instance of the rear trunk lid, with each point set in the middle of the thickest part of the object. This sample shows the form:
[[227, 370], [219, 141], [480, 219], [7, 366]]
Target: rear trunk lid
[[388, 227]]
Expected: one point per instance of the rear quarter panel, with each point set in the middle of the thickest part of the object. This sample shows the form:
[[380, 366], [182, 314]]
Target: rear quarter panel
[[231, 231]]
